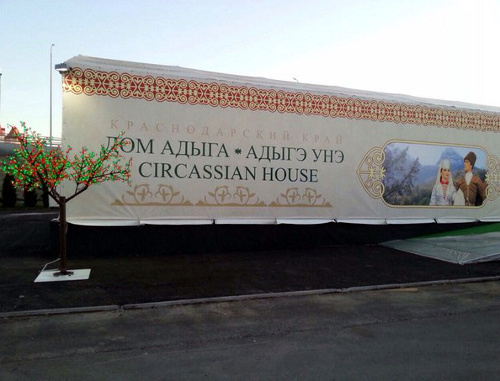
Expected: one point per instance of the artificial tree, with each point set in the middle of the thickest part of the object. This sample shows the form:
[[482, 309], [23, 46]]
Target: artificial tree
[[34, 165]]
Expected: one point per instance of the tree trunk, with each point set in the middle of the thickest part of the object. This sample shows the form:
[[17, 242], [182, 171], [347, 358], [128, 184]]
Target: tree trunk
[[63, 260]]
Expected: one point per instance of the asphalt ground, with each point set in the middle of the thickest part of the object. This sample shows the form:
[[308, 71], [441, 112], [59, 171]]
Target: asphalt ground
[[445, 332], [136, 279]]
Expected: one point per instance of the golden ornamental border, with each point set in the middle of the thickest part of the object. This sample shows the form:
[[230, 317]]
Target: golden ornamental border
[[371, 173], [160, 89], [220, 196], [493, 178]]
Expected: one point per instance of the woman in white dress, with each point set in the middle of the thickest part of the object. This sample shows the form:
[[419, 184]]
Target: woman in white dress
[[443, 192]]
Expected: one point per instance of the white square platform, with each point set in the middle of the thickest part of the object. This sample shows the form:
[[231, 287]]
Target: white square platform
[[48, 276]]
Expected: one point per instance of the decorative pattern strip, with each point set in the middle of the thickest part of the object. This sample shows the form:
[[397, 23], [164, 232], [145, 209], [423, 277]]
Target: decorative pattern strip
[[159, 89]]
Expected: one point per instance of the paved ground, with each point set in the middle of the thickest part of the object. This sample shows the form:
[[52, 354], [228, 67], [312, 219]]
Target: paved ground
[[445, 332]]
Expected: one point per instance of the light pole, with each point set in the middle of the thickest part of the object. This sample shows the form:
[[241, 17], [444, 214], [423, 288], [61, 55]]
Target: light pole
[[50, 121]]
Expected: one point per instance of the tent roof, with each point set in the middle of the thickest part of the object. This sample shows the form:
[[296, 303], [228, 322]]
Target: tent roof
[[85, 62]]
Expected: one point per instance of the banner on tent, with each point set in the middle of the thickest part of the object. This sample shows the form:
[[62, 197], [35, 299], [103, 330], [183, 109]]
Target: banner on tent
[[209, 146]]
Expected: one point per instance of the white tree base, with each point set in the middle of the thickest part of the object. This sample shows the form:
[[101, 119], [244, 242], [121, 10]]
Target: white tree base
[[48, 276]]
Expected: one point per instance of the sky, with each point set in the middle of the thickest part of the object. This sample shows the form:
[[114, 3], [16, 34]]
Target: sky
[[429, 154], [440, 49]]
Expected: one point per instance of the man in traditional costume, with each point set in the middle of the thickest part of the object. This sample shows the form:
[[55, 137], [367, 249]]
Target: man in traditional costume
[[472, 187]]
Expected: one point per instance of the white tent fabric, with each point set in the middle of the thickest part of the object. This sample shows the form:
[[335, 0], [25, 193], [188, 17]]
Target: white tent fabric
[[462, 249], [215, 148]]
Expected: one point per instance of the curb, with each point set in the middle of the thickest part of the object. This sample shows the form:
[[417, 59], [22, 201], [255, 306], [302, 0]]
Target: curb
[[237, 298], [325, 291], [59, 311]]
